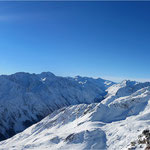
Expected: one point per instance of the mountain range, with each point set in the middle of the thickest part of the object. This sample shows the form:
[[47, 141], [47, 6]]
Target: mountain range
[[27, 98], [44, 111]]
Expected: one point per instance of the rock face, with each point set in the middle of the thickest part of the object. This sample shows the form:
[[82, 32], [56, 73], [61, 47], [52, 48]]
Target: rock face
[[27, 98], [142, 142], [112, 126]]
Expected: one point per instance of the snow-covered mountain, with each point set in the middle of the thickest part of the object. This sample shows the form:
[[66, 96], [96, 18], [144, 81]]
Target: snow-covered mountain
[[84, 113], [110, 124], [125, 88], [27, 98]]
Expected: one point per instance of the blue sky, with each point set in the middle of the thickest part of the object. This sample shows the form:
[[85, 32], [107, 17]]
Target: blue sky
[[98, 39]]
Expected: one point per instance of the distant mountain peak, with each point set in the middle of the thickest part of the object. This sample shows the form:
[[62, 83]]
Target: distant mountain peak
[[47, 73]]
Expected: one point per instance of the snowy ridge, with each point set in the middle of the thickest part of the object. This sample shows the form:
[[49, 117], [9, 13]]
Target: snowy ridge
[[125, 88], [27, 98], [90, 126]]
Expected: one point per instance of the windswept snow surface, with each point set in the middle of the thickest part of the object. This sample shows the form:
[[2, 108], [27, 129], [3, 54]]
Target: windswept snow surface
[[111, 124], [27, 98]]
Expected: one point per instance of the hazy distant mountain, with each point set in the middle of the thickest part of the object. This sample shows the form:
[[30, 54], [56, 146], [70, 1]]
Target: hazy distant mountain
[[27, 98]]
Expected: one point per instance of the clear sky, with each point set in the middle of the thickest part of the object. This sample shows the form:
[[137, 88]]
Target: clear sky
[[99, 39]]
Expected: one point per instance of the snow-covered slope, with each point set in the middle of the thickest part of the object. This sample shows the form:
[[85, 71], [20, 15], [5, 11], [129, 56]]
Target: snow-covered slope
[[27, 98], [125, 88], [101, 125]]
